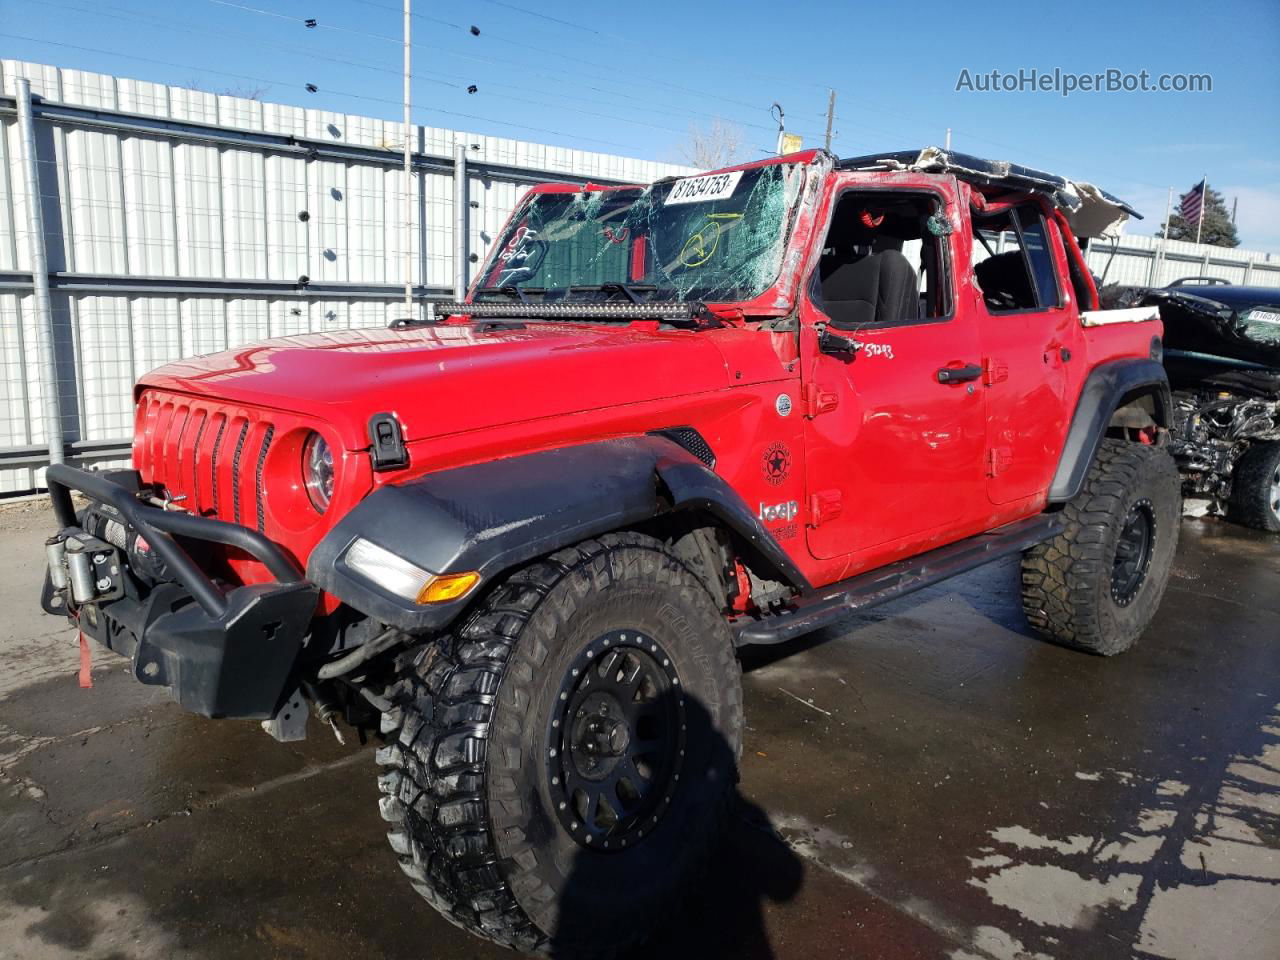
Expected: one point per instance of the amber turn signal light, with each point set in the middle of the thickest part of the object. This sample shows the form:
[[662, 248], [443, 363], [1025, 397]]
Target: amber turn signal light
[[448, 586]]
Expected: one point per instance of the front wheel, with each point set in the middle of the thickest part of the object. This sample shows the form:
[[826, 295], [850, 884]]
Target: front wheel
[[1255, 488], [1097, 584], [559, 768]]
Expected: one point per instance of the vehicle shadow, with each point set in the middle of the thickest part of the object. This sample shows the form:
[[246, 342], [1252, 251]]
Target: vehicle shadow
[[722, 915], [992, 592]]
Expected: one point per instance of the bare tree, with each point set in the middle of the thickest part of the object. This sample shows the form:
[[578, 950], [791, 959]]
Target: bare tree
[[239, 90], [246, 92], [716, 146]]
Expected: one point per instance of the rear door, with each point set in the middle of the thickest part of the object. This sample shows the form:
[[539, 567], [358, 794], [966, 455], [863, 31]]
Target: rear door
[[1026, 321]]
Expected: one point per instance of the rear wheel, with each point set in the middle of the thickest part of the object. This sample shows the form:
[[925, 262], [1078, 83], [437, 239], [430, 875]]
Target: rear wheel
[[1097, 584], [559, 768], [1255, 488]]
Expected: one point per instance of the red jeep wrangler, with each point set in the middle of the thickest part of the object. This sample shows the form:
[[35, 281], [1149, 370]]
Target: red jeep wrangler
[[668, 421]]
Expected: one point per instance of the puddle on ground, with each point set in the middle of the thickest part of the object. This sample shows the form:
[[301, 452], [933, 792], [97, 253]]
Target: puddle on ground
[[1186, 877]]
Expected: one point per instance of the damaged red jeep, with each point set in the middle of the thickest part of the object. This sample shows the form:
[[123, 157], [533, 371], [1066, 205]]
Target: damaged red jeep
[[525, 539]]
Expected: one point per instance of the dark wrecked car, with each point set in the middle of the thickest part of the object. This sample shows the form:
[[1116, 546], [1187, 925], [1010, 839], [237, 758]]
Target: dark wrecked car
[[1222, 353]]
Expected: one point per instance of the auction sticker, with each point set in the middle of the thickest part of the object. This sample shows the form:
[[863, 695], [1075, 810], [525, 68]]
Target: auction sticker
[[1259, 316], [712, 186]]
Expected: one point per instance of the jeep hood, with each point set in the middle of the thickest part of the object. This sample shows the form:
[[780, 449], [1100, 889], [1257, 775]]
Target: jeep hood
[[474, 376]]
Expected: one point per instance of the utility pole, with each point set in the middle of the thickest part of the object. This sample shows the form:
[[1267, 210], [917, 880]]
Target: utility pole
[[831, 115], [781, 117], [948, 142], [407, 239], [1157, 258], [1204, 207], [1235, 202]]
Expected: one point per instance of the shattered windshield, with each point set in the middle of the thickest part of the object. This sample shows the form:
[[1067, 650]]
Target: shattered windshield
[[1262, 324], [715, 238]]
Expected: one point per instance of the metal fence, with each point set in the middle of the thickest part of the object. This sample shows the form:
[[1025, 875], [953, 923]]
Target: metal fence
[[1152, 262], [179, 222]]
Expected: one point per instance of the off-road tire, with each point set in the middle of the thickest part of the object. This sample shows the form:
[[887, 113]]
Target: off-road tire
[[465, 782], [1068, 592], [1255, 488]]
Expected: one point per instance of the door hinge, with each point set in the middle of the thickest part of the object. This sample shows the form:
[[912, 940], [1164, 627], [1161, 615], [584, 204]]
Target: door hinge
[[994, 371], [817, 400], [998, 461], [823, 506]]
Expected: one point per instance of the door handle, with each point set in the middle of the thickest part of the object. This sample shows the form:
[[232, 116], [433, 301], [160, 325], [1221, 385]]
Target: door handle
[[970, 371]]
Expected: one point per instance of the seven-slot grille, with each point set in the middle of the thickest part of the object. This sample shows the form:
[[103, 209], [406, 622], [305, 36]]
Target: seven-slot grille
[[210, 453]]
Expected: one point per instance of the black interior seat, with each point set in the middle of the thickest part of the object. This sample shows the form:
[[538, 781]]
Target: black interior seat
[[1004, 282], [874, 288]]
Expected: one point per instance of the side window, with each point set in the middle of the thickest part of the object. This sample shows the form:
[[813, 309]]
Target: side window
[[1013, 263], [882, 262], [1035, 239]]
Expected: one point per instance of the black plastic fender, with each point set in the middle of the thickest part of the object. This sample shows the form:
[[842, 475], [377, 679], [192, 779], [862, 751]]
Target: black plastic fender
[[491, 517], [1103, 392]]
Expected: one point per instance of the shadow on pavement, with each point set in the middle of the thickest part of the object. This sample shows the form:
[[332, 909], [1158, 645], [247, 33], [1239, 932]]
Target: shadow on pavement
[[723, 915]]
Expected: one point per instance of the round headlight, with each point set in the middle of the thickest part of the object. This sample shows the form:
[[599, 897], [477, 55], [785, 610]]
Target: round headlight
[[317, 471]]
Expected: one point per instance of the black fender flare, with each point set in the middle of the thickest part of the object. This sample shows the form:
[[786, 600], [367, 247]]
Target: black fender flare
[[1103, 393], [494, 516]]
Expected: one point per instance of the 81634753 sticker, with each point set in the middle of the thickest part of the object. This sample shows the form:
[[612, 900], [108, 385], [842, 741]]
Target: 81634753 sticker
[[700, 189]]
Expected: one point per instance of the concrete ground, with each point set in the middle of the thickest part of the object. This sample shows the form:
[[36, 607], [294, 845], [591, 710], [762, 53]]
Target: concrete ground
[[924, 781]]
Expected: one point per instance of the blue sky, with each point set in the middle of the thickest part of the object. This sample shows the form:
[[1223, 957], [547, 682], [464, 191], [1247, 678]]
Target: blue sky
[[632, 78]]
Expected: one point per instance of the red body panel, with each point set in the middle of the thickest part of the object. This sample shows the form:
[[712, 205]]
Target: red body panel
[[880, 460]]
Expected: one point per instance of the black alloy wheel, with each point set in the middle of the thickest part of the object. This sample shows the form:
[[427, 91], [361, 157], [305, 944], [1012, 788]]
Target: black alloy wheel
[[1133, 552], [617, 743]]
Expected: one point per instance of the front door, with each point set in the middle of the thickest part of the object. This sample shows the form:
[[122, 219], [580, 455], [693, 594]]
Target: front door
[[894, 433]]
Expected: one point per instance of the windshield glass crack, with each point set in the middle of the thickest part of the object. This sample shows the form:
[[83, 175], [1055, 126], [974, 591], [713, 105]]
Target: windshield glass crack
[[711, 238]]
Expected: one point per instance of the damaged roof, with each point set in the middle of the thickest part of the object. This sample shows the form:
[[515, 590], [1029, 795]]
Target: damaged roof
[[1091, 211]]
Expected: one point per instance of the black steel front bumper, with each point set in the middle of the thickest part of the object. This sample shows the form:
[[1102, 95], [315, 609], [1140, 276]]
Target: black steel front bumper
[[223, 651]]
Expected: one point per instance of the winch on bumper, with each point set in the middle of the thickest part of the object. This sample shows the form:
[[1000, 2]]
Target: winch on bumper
[[123, 571]]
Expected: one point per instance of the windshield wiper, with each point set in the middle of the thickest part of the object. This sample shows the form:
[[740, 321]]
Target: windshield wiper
[[631, 291], [514, 292]]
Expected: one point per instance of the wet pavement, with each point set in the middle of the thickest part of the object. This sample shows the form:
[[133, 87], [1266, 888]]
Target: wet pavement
[[923, 781]]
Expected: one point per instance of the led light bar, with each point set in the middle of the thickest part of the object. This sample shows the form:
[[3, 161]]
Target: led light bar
[[603, 311]]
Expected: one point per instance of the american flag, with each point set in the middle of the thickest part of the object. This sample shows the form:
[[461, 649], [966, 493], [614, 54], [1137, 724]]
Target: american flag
[[1193, 203]]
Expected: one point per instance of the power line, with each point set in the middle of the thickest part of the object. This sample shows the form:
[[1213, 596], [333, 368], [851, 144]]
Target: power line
[[682, 60], [127, 14], [305, 21], [452, 85], [576, 97], [560, 54], [185, 26], [270, 82]]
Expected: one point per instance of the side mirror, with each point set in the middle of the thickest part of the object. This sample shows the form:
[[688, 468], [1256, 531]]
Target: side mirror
[[833, 344]]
